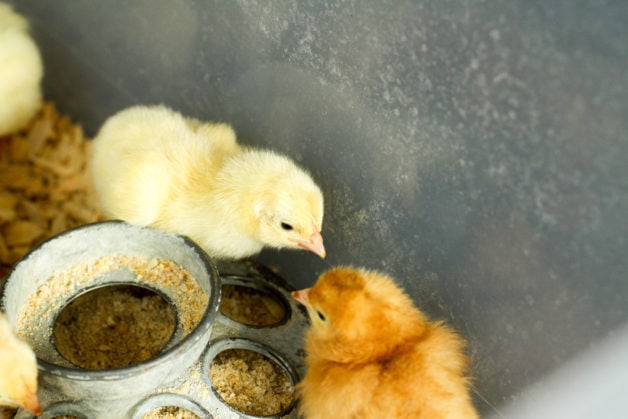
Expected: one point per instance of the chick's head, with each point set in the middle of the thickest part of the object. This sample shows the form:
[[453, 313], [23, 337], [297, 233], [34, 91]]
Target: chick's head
[[18, 372], [358, 314], [288, 206]]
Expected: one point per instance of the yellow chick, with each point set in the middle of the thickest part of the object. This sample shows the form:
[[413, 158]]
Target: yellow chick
[[153, 167], [20, 72], [372, 354], [18, 371]]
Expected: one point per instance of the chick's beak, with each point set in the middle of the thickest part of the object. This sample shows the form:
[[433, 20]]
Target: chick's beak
[[31, 403], [302, 296], [314, 244]]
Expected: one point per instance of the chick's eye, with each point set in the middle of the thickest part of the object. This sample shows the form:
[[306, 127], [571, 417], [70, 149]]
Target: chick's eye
[[286, 226], [321, 316]]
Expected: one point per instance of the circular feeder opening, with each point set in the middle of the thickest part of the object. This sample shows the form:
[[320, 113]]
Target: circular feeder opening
[[169, 406], [251, 306], [170, 412], [114, 326], [251, 382], [64, 410]]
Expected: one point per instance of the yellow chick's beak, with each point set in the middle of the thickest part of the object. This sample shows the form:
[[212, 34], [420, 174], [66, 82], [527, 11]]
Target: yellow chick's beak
[[314, 244], [302, 296], [31, 403]]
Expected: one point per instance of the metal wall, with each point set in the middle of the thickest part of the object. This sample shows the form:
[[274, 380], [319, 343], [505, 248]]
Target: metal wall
[[476, 150]]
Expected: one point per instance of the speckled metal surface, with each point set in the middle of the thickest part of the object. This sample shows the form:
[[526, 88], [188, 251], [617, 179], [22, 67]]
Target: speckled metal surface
[[179, 375]]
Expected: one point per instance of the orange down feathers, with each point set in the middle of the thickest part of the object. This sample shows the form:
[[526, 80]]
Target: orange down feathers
[[372, 353]]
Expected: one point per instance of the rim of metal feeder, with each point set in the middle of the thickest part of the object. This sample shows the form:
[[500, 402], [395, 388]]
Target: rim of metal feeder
[[119, 373]]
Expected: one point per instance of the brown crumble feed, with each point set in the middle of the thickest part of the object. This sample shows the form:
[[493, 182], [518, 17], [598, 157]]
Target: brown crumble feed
[[250, 382], [170, 412], [251, 306], [113, 327]]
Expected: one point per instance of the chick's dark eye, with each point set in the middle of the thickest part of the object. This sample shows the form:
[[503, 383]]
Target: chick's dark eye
[[286, 226], [321, 316]]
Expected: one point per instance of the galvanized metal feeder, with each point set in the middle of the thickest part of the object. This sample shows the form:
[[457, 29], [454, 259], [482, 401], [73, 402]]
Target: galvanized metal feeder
[[46, 280]]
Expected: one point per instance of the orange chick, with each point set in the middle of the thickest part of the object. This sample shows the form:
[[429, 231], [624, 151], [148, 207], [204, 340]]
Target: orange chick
[[153, 167], [18, 371], [21, 71], [372, 354]]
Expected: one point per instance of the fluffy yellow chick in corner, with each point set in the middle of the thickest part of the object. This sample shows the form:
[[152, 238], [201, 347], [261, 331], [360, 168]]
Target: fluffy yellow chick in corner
[[372, 354], [20, 72], [153, 167], [18, 371]]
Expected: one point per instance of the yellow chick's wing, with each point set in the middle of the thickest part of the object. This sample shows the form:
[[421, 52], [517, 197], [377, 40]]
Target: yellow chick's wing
[[136, 158]]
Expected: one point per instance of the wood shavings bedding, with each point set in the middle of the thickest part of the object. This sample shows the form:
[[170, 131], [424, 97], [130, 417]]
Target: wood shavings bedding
[[44, 183]]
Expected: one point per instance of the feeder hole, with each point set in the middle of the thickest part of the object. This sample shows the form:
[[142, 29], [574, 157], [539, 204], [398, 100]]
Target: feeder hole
[[169, 412], [113, 326], [251, 306], [250, 382]]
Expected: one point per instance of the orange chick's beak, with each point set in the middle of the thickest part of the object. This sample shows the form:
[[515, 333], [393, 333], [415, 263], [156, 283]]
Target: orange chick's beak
[[302, 296], [31, 403], [314, 244]]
